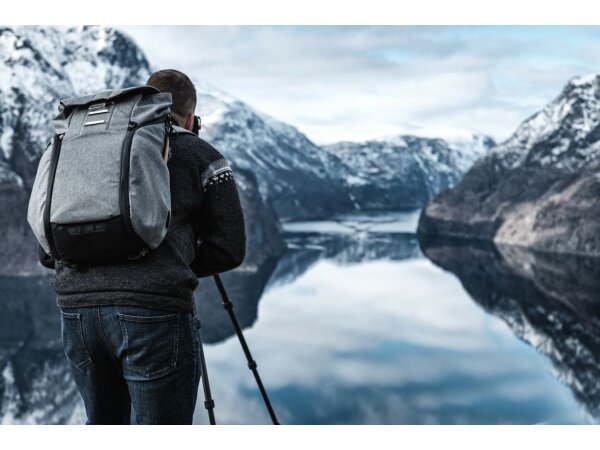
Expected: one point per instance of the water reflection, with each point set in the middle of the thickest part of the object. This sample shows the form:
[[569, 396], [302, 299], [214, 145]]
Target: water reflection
[[35, 382], [307, 248], [349, 240], [245, 288], [357, 327], [353, 325], [550, 301]]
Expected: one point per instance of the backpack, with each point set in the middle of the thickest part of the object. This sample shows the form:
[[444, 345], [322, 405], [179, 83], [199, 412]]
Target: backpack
[[102, 191]]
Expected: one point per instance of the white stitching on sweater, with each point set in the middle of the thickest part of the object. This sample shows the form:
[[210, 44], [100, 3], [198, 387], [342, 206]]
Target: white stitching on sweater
[[218, 177], [214, 168]]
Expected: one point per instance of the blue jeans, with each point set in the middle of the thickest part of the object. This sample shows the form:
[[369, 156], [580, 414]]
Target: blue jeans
[[127, 355]]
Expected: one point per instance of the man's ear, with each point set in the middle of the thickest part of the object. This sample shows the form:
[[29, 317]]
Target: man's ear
[[189, 121]]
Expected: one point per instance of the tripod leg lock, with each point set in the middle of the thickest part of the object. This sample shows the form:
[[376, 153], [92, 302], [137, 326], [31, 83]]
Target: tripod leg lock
[[252, 365], [228, 306], [209, 404]]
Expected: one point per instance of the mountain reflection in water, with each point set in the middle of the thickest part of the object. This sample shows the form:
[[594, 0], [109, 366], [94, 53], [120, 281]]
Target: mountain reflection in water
[[550, 301], [353, 325]]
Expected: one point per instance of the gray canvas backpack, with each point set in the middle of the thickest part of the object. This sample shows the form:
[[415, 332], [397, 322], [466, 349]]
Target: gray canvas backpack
[[102, 190]]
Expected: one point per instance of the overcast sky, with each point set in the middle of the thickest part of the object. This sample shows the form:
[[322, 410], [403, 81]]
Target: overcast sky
[[355, 83]]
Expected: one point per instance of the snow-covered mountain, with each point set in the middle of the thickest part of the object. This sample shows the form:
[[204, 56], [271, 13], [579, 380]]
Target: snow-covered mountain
[[405, 172], [281, 174], [540, 187], [302, 180], [296, 176], [40, 66]]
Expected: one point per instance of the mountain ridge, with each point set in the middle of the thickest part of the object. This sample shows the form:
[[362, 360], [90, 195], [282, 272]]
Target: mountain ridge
[[417, 167]]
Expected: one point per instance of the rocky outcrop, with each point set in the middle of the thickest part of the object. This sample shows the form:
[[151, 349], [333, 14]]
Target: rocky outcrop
[[540, 188]]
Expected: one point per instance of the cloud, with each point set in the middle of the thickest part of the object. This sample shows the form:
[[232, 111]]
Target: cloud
[[353, 83]]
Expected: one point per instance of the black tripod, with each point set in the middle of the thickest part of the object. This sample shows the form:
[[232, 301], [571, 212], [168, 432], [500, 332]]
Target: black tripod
[[209, 403]]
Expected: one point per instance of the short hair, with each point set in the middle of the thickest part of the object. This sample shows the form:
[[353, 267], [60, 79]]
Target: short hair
[[179, 85]]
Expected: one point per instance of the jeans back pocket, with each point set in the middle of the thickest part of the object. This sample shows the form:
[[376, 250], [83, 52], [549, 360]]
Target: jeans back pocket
[[73, 342], [150, 343]]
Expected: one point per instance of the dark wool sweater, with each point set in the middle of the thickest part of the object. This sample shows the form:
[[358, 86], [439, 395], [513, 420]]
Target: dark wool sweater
[[209, 238]]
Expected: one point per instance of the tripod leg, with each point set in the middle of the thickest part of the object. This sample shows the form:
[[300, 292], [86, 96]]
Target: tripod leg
[[209, 403], [251, 363]]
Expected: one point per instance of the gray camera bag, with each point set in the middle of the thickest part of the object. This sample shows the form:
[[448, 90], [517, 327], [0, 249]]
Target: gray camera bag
[[102, 190]]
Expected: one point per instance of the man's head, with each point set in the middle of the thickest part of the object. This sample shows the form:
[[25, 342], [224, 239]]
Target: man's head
[[182, 91]]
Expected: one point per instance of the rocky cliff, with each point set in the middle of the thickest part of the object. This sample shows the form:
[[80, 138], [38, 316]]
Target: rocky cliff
[[538, 189]]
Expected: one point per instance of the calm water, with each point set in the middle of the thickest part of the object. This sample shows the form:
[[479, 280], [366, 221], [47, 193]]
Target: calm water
[[357, 323]]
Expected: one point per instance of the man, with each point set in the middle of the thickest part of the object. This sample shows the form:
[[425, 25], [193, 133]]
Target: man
[[129, 329]]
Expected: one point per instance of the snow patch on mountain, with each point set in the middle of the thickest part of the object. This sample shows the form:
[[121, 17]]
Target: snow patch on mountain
[[564, 135]]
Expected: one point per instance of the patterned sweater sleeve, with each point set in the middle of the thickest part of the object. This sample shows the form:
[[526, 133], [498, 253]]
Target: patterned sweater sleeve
[[220, 223]]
